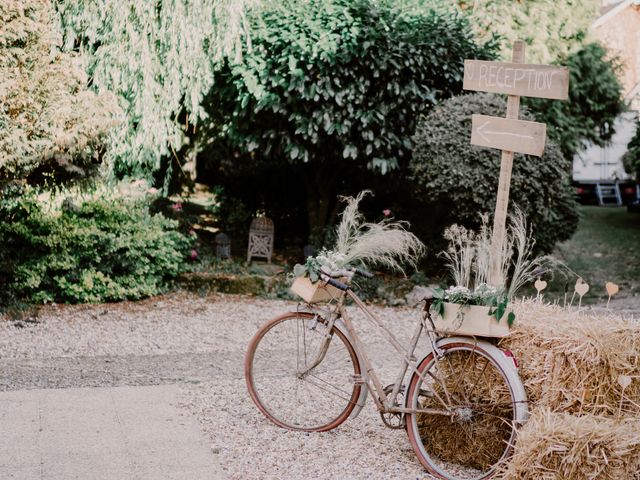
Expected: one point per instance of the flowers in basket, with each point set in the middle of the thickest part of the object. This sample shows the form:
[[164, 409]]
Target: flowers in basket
[[386, 243], [482, 295], [468, 260]]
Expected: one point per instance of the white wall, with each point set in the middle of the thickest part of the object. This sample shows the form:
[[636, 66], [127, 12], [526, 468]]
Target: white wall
[[596, 163]]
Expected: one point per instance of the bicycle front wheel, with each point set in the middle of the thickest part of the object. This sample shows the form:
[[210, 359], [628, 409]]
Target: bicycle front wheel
[[472, 402], [292, 379]]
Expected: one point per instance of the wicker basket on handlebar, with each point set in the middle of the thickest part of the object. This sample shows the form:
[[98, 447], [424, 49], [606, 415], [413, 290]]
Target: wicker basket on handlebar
[[314, 292]]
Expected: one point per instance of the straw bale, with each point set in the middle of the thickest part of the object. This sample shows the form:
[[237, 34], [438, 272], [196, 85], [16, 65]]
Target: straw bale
[[561, 446], [572, 361]]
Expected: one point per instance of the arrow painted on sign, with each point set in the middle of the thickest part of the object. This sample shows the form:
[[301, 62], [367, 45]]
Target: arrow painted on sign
[[483, 133], [508, 134]]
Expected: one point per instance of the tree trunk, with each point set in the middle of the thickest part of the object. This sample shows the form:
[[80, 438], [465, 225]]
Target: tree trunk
[[319, 180]]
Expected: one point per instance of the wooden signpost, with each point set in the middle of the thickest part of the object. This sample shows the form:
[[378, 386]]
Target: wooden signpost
[[509, 134], [524, 80]]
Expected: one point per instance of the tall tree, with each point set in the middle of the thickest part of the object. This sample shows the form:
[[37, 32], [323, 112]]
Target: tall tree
[[550, 28], [50, 122], [158, 58], [336, 86]]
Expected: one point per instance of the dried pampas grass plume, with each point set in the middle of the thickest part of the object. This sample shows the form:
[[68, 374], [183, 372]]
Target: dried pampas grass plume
[[469, 253], [386, 243]]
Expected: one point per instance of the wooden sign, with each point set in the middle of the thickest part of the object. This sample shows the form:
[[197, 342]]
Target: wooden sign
[[525, 80], [505, 134], [510, 134]]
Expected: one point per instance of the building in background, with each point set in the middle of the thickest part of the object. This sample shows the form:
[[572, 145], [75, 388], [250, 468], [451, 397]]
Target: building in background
[[598, 171]]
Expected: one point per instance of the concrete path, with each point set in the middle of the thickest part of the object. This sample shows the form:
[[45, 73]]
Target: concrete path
[[116, 433]]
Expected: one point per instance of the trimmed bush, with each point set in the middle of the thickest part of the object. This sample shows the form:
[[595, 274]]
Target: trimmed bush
[[329, 90], [101, 250], [456, 181]]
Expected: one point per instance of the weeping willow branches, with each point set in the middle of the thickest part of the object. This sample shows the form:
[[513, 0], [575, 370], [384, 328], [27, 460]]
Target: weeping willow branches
[[158, 57]]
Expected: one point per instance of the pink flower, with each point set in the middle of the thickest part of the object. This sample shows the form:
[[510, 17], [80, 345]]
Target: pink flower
[[386, 212], [192, 232], [177, 207], [152, 190], [194, 254]]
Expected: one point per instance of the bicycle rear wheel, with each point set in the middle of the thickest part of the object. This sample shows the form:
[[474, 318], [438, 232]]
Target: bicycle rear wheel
[[281, 383], [485, 401]]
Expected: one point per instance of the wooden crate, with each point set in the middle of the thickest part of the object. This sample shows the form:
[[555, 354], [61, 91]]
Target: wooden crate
[[470, 320], [314, 292]]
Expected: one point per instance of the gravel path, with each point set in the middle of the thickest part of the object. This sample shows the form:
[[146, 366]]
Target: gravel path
[[199, 343]]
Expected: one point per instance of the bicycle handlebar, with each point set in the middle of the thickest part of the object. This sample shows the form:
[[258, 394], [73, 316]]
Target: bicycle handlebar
[[346, 273], [362, 273], [336, 283]]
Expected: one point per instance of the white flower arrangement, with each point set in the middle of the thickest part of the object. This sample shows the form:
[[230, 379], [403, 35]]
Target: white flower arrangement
[[468, 258]]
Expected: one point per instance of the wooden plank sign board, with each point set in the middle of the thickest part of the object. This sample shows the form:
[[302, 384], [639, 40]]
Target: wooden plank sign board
[[525, 80], [507, 134]]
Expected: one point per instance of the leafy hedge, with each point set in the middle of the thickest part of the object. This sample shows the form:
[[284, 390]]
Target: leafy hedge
[[101, 250], [458, 181], [336, 88]]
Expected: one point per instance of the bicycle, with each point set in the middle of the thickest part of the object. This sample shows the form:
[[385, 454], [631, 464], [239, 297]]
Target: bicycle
[[308, 370]]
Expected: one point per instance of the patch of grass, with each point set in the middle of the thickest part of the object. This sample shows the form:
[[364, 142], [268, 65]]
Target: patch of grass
[[605, 248]]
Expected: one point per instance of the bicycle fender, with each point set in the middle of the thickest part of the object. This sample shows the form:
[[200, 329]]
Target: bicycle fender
[[506, 363], [364, 391]]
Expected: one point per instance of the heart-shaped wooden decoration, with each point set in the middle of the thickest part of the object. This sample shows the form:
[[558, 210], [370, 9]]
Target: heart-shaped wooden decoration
[[624, 381], [612, 288], [540, 285], [581, 287]]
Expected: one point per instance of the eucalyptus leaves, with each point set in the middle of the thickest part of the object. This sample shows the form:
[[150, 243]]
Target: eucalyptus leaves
[[311, 268], [483, 295]]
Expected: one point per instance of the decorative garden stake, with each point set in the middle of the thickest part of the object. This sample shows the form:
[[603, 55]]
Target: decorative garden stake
[[260, 238], [624, 381], [581, 289], [612, 289], [223, 246], [540, 285], [509, 134]]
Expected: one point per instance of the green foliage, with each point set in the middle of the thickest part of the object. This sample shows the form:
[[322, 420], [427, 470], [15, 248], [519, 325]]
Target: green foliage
[[494, 298], [551, 29], [158, 58], [50, 123], [456, 181], [341, 79], [334, 87], [233, 216], [101, 250], [631, 158], [595, 100]]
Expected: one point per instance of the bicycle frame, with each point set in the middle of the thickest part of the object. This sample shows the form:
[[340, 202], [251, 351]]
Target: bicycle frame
[[385, 403]]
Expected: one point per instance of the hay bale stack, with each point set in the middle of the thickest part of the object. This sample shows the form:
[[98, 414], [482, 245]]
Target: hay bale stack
[[561, 446], [572, 362]]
